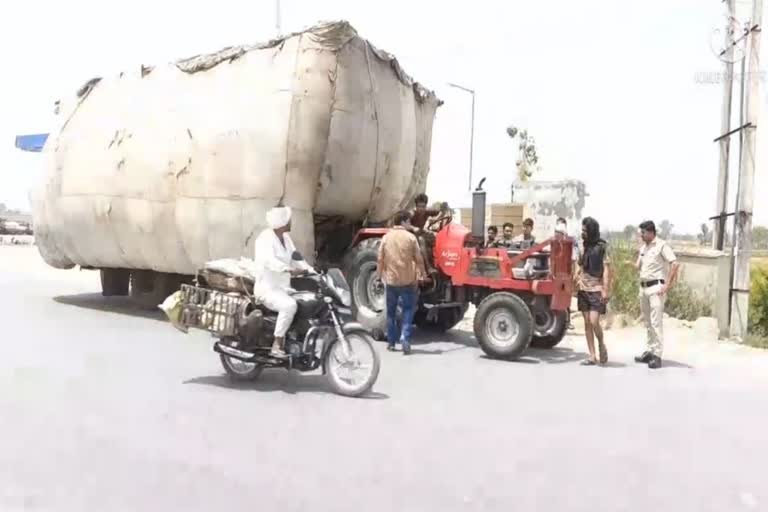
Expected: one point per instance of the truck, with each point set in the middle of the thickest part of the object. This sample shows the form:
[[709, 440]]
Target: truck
[[154, 172]]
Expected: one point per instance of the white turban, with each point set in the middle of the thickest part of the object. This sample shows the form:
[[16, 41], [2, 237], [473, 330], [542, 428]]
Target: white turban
[[278, 217]]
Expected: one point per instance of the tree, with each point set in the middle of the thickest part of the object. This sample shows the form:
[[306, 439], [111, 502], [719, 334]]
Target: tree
[[629, 231], [665, 229], [705, 236], [527, 160], [760, 237]]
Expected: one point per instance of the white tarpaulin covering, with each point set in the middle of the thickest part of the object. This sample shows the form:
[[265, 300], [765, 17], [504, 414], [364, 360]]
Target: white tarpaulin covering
[[166, 168]]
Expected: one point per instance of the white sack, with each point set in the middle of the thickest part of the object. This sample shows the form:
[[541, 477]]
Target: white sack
[[166, 168]]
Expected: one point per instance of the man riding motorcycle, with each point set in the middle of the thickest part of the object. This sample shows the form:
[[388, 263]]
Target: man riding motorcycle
[[274, 266]]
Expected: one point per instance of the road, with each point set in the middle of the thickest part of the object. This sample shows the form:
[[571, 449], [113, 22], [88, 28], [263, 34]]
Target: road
[[107, 408]]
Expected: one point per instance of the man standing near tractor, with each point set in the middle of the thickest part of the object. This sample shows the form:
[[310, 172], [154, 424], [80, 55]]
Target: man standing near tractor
[[400, 266]]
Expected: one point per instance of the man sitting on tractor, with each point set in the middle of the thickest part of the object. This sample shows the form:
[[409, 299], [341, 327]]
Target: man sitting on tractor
[[421, 213], [418, 226]]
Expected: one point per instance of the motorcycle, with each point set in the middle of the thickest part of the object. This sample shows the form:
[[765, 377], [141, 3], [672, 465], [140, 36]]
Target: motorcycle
[[319, 336]]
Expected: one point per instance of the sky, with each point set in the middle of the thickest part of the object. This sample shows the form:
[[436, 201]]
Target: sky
[[618, 95]]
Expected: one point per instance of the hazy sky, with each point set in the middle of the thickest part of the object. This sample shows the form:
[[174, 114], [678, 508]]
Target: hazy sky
[[608, 88]]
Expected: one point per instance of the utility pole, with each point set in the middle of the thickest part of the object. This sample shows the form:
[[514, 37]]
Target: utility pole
[[471, 130], [725, 142], [743, 223]]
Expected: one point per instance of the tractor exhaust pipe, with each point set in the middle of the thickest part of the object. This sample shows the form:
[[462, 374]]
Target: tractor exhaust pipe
[[478, 212]]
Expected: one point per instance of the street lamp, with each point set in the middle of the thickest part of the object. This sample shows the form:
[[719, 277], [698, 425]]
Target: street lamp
[[472, 129], [277, 17]]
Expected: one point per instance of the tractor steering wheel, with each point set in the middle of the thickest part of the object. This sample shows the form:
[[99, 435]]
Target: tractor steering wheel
[[439, 223]]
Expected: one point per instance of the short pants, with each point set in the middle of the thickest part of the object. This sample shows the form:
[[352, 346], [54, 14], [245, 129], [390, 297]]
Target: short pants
[[591, 301]]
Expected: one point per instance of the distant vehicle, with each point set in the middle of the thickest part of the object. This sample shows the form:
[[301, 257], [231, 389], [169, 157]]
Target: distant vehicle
[[14, 228]]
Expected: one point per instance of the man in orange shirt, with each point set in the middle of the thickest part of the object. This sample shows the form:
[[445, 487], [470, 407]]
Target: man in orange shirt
[[401, 267]]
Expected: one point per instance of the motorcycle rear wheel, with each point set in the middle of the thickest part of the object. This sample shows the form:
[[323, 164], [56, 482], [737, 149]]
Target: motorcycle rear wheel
[[239, 371]]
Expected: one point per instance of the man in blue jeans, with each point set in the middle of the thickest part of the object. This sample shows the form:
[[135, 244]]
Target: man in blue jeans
[[400, 267]]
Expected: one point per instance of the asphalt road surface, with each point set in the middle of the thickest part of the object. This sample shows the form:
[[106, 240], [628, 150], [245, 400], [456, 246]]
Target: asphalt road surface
[[106, 408]]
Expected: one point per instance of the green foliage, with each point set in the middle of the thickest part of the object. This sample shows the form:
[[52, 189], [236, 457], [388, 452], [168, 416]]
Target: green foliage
[[626, 288], [760, 237], [683, 303], [758, 302]]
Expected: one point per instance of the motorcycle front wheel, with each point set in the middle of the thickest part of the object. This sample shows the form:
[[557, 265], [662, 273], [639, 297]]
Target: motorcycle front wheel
[[353, 373]]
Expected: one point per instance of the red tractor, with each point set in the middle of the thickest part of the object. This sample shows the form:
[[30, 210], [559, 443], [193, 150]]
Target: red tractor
[[522, 295]]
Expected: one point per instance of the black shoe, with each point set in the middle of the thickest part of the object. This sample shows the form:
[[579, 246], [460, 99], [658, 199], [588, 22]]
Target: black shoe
[[391, 348], [644, 358], [406, 350], [654, 363]]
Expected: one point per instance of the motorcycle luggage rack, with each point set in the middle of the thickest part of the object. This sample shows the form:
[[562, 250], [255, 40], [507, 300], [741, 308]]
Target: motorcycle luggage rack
[[212, 310]]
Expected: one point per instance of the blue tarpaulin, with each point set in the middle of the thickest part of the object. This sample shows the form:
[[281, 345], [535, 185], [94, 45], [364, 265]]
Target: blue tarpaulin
[[32, 143]]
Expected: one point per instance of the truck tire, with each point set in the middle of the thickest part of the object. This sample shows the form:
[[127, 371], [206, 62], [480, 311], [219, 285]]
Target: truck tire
[[114, 281], [549, 328], [369, 301], [149, 288], [447, 319], [503, 325]]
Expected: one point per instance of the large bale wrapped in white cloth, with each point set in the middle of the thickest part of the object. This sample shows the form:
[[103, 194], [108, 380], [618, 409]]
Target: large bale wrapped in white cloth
[[165, 168]]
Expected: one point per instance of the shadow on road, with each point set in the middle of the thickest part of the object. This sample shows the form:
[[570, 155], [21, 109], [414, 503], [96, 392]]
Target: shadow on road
[[279, 380], [120, 305], [557, 355], [463, 338]]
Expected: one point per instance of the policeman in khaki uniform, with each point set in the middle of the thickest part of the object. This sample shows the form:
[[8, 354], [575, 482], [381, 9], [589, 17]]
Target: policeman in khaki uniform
[[654, 256]]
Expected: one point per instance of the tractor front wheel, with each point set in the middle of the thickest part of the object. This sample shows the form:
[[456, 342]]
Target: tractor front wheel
[[503, 325]]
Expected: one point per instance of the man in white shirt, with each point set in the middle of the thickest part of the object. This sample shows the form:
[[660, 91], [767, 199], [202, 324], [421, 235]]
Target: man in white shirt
[[274, 266]]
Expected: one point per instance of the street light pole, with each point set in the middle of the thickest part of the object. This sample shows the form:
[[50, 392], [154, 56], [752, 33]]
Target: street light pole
[[277, 17], [471, 130]]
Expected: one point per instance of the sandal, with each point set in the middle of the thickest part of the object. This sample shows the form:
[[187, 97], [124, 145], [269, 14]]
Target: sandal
[[588, 362]]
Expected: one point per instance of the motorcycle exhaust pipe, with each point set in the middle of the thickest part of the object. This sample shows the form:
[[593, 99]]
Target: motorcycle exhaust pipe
[[240, 355]]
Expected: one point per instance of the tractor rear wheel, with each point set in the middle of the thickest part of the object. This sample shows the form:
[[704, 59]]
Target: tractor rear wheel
[[447, 319], [503, 325], [549, 328], [369, 300]]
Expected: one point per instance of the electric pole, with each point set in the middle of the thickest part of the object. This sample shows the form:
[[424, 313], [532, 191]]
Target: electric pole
[[718, 236], [743, 215]]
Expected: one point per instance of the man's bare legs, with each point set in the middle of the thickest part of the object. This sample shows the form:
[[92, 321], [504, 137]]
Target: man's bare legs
[[589, 332], [592, 330]]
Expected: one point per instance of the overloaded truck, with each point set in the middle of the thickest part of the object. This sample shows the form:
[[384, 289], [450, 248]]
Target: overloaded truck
[[154, 172], [158, 170]]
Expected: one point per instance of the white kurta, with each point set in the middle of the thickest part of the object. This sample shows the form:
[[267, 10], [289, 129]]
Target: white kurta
[[272, 279]]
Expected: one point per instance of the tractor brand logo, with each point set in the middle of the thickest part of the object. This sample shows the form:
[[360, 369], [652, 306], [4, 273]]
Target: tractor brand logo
[[450, 258]]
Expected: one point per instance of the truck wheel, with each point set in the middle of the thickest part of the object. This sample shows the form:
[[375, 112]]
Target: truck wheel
[[369, 301], [114, 281], [549, 328], [503, 325], [447, 319], [149, 288]]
